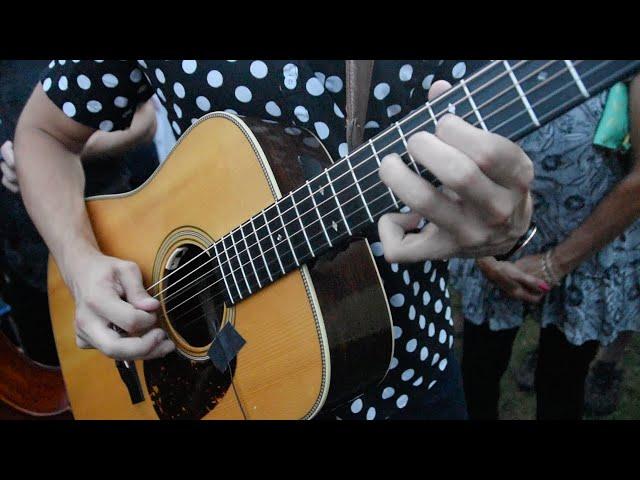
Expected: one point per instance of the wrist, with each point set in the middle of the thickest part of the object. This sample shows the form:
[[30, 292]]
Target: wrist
[[75, 261], [561, 261]]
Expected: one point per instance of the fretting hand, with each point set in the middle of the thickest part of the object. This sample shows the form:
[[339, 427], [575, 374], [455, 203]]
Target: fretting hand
[[484, 206]]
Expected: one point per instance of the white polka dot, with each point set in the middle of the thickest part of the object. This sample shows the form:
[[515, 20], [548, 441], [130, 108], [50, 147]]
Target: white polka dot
[[394, 363], [427, 266], [320, 76], [424, 353], [46, 84], [214, 78], [371, 413], [83, 82], [356, 406], [142, 63], [438, 306], [337, 111], [189, 66], [412, 312], [63, 83], [433, 276], [258, 69], [243, 94], [121, 102], [94, 106], [135, 76], [423, 322], [230, 110], [411, 345], [394, 267], [106, 125], [69, 109], [273, 109], [426, 298], [290, 72], [178, 110], [381, 91], [203, 103], [406, 71], [62, 62], [426, 83], [407, 374], [301, 113], [52, 64], [393, 110], [176, 127], [314, 87], [443, 364], [418, 382], [442, 284], [459, 69], [447, 313], [432, 329], [450, 341], [333, 84], [160, 75], [292, 131], [402, 401], [376, 249], [397, 300], [433, 382], [406, 278], [343, 149], [388, 392], [435, 359], [178, 88], [311, 142], [442, 337], [416, 288], [322, 129], [397, 332]]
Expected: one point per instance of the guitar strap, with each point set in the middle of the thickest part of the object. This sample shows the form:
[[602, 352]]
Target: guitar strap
[[358, 73]]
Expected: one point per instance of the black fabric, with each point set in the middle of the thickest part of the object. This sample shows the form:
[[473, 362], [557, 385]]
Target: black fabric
[[295, 93], [559, 379]]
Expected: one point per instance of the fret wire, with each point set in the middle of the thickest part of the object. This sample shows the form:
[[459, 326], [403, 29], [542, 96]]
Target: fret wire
[[315, 206], [335, 196], [233, 242], [224, 277], [406, 147], [577, 79], [473, 104], [304, 232], [272, 242], [264, 259], [521, 94], [355, 179], [255, 272], [284, 229], [375, 154]]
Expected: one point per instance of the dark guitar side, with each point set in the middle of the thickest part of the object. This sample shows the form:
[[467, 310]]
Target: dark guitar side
[[352, 299]]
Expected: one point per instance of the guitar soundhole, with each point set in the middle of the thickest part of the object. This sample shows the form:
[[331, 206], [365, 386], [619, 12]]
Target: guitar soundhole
[[192, 303]]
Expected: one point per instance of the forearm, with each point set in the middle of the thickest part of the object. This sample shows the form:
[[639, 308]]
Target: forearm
[[613, 215], [52, 185]]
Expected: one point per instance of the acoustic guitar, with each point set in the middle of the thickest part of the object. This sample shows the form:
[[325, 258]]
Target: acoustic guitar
[[248, 236]]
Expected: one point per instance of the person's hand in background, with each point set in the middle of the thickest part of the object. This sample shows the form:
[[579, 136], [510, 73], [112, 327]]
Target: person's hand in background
[[515, 282], [8, 167]]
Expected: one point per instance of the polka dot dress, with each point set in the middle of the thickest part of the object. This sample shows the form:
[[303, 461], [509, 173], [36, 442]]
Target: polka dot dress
[[104, 93]]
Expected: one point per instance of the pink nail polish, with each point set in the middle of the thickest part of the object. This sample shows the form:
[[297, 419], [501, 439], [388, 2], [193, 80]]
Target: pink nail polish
[[544, 286]]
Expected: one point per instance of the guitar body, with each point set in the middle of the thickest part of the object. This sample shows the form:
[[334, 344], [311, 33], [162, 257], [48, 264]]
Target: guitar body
[[314, 338]]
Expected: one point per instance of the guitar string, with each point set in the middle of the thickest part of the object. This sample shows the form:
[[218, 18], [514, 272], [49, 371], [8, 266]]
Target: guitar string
[[377, 137], [260, 239], [387, 193], [363, 162]]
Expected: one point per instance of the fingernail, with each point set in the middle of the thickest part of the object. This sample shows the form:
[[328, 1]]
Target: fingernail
[[544, 286]]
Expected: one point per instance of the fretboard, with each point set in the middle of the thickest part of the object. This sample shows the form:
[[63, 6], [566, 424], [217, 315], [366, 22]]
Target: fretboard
[[511, 98]]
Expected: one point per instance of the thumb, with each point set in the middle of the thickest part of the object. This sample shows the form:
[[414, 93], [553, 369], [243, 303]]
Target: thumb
[[134, 291]]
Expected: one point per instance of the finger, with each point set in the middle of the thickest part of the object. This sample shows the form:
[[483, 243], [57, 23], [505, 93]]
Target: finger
[[135, 293], [420, 195], [500, 159], [8, 172], [402, 247], [124, 315], [11, 186], [459, 173], [529, 281], [7, 153], [123, 348], [438, 88]]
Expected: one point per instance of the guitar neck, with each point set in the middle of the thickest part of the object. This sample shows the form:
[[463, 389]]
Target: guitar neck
[[511, 98]]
